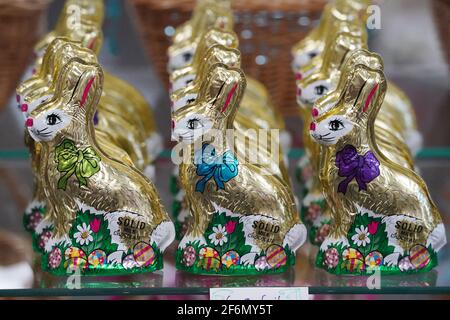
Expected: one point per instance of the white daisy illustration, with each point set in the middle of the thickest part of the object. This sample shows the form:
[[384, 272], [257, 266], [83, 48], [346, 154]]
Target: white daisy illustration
[[219, 235], [361, 238], [83, 236]]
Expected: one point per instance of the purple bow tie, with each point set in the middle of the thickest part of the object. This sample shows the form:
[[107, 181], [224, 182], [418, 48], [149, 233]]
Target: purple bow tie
[[353, 166]]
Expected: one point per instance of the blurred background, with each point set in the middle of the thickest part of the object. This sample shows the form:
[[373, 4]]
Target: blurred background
[[413, 41]]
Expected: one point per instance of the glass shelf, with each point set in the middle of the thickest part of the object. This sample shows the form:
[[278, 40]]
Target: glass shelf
[[434, 166]]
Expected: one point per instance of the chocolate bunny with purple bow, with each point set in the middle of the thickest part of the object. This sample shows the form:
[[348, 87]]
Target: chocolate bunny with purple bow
[[383, 215]]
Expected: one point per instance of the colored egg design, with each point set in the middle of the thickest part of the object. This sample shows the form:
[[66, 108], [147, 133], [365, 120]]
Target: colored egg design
[[261, 263], [405, 264], [97, 258], [419, 256], [129, 262], [353, 265], [189, 256], [331, 258], [54, 258], [144, 254], [74, 252], [209, 264], [374, 259], [275, 256], [74, 264], [208, 252], [351, 253], [231, 258]]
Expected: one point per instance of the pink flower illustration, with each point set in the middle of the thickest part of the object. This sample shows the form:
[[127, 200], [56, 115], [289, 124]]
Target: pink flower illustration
[[322, 233], [373, 227], [95, 225], [230, 226], [314, 211]]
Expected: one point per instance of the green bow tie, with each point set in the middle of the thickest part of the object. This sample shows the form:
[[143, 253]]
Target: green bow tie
[[84, 163]]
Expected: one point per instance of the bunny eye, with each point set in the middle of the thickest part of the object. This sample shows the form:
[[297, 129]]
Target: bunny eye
[[320, 90], [312, 54], [194, 124], [53, 119], [190, 100], [335, 125], [187, 56]]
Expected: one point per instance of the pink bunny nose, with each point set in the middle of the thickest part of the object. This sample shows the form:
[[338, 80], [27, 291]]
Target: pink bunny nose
[[29, 122], [24, 107], [312, 126], [298, 76], [315, 112], [173, 124], [299, 92]]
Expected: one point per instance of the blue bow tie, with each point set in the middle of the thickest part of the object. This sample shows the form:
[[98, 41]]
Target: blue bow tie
[[222, 168]]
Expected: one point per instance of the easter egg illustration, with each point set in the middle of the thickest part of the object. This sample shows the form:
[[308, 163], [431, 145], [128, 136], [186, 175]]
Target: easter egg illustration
[[189, 256], [231, 258], [54, 258], [129, 262], [331, 258], [144, 254], [209, 264], [351, 253], [74, 264], [275, 256], [44, 238], [97, 258], [208, 253], [74, 252], [419, 256], [374, 259], [353, 265], [405, 264], [261, 264]]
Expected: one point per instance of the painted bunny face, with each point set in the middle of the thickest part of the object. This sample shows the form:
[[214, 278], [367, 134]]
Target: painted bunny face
[[337, 115], [181, 57], [329, 130], [214, 106], [309, 92], [303, 58], [45, 126], [190, 126], [186, 99], [183, 82], [78, 86]]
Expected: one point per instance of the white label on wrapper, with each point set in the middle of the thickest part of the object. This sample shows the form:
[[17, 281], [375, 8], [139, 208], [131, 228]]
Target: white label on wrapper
[[260, 293]]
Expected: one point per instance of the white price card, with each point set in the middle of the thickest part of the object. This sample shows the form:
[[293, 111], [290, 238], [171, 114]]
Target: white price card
[[260, 293]]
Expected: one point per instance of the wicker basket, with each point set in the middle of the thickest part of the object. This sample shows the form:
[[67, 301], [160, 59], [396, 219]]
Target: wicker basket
[[267, 30], [442, 18], [19, 30]]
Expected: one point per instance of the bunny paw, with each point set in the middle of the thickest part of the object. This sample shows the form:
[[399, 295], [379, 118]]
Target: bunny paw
[[248, 259], [392, 259]]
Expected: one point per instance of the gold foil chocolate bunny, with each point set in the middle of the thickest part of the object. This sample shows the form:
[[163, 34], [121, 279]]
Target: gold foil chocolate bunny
[[209, 14], [106, 217], [382, 213], [81, 20], [244, 220]]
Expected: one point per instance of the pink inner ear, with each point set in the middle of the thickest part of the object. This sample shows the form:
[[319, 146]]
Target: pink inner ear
[[86, 91], [370, 97], [91, 43], [229, 96]]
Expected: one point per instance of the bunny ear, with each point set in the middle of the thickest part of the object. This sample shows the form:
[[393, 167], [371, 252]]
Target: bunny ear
[[223, 88], [80, 83], [365, 90], [86, 91]]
